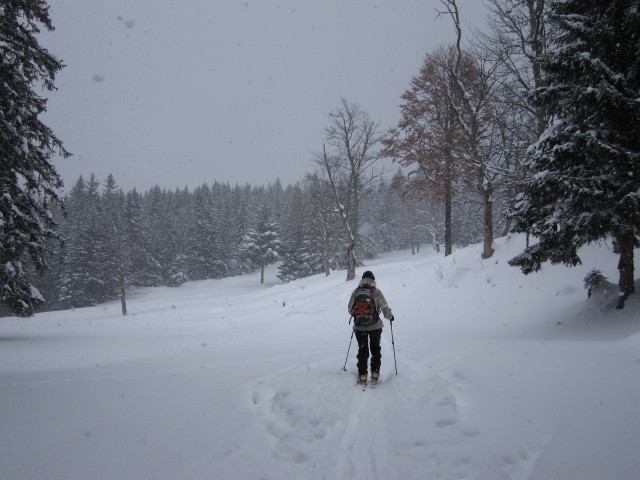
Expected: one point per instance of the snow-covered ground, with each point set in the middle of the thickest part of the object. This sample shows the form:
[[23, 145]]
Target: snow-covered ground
[[500, 376]]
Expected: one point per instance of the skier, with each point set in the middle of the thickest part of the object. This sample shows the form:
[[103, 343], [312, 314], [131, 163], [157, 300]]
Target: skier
[[365, 305]]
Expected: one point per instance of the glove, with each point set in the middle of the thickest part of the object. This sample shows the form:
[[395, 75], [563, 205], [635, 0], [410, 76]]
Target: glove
[[392, 318]]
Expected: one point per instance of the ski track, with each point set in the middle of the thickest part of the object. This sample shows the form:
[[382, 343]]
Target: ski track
[[350, 434]]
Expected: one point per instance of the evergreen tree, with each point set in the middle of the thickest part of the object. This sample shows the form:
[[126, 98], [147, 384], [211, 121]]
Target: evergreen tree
[[241, 219], [221, 231], [381, 220], [82, 281], [144, 266], [200, 244], [117, 246], [28, 181], [156, 208], [176, 251], [300, 254], [49, 282], [325, 234], [71, 278], [262, 243], [292, 266], [587, 164], [94, 239]]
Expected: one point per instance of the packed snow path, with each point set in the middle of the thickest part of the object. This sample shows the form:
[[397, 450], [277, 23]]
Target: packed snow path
[[501, 377], [322, 426]]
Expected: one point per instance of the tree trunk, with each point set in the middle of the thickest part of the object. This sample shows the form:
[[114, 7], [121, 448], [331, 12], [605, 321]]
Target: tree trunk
[[327, 266], [487, 203], [123, 295], [351, 262], [625, 243], [448, 233], [261, 274]]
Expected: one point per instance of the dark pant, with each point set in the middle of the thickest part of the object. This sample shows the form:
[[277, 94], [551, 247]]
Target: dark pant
[[369, 341]]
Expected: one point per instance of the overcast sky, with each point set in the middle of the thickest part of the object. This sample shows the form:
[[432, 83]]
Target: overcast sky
[[179, 93]]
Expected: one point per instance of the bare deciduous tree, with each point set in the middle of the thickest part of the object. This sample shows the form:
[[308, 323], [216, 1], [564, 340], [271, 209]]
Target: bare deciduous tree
[[348, 167], [474, 81], [518, 36], [428, 138]]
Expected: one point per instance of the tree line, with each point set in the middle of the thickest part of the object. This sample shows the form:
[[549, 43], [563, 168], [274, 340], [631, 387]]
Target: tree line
[[116, 241]]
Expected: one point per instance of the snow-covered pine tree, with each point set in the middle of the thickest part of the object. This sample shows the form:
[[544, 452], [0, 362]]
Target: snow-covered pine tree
[[116, 245], [222, 235], [324, 236], [28, 181], [381, 216], [94, 241], [157, 227], [176, 253], [200, 244], [586, 182], [262, 243], [293, 266], [79, 247], [302, 252], [144, 266], [420, 214]]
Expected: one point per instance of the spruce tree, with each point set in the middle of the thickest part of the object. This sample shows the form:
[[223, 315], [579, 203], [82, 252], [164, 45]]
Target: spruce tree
[[262, 243], [292, 266], [73, 281], [144, 266], [116, 246], [586, 166], [28, 181], [156, 225], [176, 237]]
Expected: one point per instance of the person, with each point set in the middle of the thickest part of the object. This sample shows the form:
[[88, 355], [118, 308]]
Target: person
[[368, 325]]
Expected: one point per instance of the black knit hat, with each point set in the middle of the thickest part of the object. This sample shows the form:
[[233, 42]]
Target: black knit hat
[[368, 274]]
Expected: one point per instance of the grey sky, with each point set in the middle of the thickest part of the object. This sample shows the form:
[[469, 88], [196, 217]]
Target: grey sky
[[178, 93]]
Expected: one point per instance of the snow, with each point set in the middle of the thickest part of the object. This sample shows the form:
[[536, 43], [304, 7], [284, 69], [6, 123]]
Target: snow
[[500, 376]]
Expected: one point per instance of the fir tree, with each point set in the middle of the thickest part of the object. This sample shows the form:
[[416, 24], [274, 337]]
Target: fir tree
[[144, 266], [176, 238], [301, 251], [156, 225], [262, 243], [292, 266], [28, 181], [586, 166], [72, 276], [117, 247]]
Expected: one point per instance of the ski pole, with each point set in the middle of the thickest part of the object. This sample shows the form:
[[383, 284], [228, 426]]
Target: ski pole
[[345, 360], [393, 344]]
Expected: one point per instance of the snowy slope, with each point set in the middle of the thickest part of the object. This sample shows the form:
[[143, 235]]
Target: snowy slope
[[500, 376]]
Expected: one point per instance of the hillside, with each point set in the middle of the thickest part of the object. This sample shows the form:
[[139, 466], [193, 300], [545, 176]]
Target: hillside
[[500, 376]]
